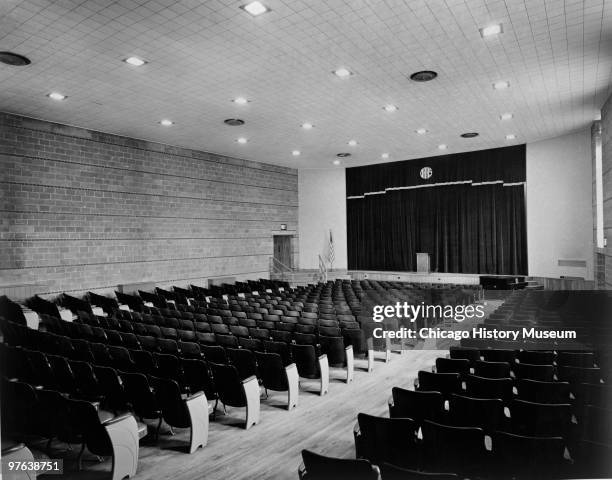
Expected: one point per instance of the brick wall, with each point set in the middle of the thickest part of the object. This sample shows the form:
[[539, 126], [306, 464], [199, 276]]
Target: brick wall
[[606, 140], [84, 210]]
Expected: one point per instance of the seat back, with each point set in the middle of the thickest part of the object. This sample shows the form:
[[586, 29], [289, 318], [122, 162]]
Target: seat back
[[168, 395], [487, 414], [531, 418], [452, 365], [383, 439], [479, 387], [243, 360], [320, 467], [463, 447], [228, 384], [333, 347], [418, 405], [492, 369], [465, 353], [445, 383], [272, 371], [535, 457], [305, 358], [543, 392]]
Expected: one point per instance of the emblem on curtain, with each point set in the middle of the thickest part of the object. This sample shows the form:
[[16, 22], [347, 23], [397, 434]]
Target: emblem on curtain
[[426, 172]]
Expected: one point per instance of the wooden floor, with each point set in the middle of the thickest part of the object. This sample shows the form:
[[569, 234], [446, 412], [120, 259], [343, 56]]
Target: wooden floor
[[272, 448]]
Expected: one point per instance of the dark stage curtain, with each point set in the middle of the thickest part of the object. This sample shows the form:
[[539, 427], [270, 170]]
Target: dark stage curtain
[[465, 228]]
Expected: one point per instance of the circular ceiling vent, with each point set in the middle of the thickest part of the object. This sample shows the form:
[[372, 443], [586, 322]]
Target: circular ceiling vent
[[10, 58], [423, 76], [343, 154], [469, 134], [234, 122]]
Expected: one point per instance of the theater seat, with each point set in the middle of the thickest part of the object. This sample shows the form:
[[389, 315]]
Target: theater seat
[[234, 392], [380, 439], [278, 377], [393, 472], [417, 405], [320, 467]]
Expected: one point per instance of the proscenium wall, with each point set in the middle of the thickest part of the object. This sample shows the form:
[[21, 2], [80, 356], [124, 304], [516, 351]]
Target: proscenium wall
[[606, 161], [559, 205], [84, 210], [322, 199]]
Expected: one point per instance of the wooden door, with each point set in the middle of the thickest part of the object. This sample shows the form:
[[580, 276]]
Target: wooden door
[[282, 249]]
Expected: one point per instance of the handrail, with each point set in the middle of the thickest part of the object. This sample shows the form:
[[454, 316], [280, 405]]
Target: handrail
[[322, 270], [280, 266]]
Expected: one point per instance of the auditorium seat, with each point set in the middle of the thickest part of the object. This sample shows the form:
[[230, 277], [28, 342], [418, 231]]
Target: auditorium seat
[[112, 436], [536, 357], [445, 383], [540, 419], [141, 397], [276, 376], [196, 377], [499, 355], [596, 394], [244, 360], [338, 355], [576, 359], [492, 369], [183, 412], [479, 387], [519, 456], [575, 375], [542, 373], [320, 467], [309, 365], [487, 414], [454, 449], [392, 440], [234, 392], [452, 365], [115, 398], [543, 392], [418, 405], [393, 472], [214, 353]]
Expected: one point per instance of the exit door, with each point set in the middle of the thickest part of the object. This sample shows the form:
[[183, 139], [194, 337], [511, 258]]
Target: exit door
[[282, 249]]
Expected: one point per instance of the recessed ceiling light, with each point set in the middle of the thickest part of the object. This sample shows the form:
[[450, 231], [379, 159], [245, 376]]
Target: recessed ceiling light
[[242, 140], [501, 85], [240, 100], [506, 116], [421, 131], [390, 108], [384, 155], [296, 153], [255, 8], [135, 61], [352, 143], [342, 72], [166, 123], [442, 146], [490, 30], [233, 122], [510, 136], [423, 76], [469, 135], [57, 96], [14, 59], [336, 162], [307, 126]]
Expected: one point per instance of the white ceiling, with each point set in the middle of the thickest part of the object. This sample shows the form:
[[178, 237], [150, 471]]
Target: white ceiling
[[557, 56]]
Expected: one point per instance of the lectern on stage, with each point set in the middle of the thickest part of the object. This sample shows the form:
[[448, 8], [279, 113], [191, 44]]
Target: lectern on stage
[[422, 262]]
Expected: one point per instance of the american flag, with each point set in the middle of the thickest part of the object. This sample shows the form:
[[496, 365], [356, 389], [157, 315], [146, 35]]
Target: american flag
[[331, 256]]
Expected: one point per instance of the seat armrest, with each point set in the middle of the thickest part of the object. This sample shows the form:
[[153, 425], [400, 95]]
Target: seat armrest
[[416, 383], [302, 474], [117, 419], [249, 379], [195, 395], [356, 430]]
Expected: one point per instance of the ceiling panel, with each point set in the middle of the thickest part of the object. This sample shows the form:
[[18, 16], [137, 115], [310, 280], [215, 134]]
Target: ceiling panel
[[557, 56]]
